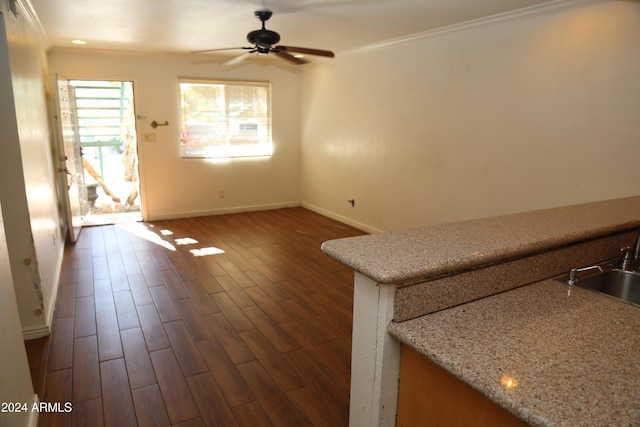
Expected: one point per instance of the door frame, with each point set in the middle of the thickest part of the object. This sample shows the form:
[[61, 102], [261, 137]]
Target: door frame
[[138, 116], [64, 169]]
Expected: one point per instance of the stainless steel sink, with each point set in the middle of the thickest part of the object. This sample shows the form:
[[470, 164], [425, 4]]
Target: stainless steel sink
[[621, 284]]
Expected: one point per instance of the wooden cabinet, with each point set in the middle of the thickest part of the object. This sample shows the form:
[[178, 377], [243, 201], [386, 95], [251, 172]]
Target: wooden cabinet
[[430, 396]]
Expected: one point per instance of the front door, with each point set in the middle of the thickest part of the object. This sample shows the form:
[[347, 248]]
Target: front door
[[70, 166]]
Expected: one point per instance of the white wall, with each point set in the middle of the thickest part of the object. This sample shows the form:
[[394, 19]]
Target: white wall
[[175, 187], [525, 113], [15, 379], [28, 187]]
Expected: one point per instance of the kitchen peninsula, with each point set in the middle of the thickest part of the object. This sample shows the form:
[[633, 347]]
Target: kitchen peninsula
[[478, 299]]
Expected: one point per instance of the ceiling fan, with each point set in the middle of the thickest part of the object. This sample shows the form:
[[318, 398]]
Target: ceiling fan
[[263, 42]]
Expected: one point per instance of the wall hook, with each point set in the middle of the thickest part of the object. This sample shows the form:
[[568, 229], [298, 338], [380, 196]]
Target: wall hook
[[352, 201], [155, 124]]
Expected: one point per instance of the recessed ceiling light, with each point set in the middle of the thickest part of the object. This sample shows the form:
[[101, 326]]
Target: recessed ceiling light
[[298, 56], [78, 42]]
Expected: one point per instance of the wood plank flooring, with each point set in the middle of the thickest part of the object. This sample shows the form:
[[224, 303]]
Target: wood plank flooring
[[229, 320]]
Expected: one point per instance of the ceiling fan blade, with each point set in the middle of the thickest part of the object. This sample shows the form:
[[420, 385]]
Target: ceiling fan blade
[[218, 50], [238, 59], [285, 55], [317, 52], [206, 61]]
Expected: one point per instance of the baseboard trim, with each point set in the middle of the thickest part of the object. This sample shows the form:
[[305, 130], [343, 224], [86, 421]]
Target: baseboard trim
[[50, 310], [340, 218], [35, 332], [222, 211]]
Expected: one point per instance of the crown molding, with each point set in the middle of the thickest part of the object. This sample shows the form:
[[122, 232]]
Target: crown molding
[[527, 11], [23, 9]]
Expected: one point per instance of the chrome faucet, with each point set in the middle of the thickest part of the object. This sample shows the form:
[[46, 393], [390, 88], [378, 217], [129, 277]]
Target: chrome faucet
[[626, 258], [629, 257], [636, 250], [574, 271]]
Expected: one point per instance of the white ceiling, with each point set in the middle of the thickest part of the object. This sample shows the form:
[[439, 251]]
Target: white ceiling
[[181, 26]]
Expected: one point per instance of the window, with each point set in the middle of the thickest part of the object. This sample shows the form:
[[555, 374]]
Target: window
[[225, 119]]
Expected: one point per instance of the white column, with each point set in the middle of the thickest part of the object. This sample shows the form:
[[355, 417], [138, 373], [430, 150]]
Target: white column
[[375, 356]]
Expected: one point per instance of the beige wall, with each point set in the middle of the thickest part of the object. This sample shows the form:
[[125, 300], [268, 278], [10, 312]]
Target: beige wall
[[28, 188], [525, 113], [15, 379], [175, 187]]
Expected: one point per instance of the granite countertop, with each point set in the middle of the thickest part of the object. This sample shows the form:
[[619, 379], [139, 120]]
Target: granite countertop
[[417, 254], [573, 355]]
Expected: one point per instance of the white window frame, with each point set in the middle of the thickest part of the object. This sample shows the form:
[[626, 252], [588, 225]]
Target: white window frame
[[223, 129]]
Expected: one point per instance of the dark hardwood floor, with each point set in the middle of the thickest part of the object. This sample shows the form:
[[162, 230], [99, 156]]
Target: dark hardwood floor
[[230, 320]]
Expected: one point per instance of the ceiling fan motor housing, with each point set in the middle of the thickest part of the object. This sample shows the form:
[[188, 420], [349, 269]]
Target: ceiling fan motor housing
[[263, 37]]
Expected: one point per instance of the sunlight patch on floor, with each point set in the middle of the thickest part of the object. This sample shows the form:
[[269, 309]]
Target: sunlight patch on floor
[[206, 251], [141, 230]]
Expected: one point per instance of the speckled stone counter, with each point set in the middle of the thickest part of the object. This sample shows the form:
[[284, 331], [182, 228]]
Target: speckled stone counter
[[574, 356], [421, 253], [475, 297]]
